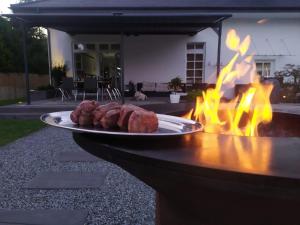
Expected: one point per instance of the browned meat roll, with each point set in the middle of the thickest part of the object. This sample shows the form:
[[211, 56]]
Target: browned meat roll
[[83, 114], [126, 111], [101, 110], [110, 119], [142, 121], [113, 115]]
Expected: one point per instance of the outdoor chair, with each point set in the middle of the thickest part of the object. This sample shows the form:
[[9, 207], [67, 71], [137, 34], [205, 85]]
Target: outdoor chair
[[113, 93], [90, 86], [118, 93], [66, 89], [109, 93]]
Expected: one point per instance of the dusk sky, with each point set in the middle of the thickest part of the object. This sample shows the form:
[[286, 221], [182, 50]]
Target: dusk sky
[[4, 4]]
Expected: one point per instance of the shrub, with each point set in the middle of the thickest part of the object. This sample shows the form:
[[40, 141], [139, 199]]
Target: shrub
[[58, 72], [192, 95], [175, 84]]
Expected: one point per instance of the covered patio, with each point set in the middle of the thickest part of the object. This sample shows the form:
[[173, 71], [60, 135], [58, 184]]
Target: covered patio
[[123, 21]]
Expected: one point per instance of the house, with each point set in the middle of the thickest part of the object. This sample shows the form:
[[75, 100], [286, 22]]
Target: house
[[156, 40]]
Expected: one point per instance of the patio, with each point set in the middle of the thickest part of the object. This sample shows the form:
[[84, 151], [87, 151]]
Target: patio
[[47, 175]]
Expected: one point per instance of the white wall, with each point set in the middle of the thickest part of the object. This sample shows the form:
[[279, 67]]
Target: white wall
[[154, 58], [61, 49], [160, 58]]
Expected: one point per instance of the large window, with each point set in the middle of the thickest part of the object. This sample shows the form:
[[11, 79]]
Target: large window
[[85, 57], [194, 63], [97, 59], [264, 68]]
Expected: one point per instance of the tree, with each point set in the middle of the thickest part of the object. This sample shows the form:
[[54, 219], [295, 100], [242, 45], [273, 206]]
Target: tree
[[11, 51], [10, 54], [290, 71]]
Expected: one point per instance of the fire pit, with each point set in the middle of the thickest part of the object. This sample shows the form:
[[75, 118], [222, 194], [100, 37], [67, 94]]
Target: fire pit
[[214, 178], [244, 169]]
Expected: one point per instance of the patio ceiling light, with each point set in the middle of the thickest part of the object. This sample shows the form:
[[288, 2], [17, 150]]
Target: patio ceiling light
[[81, 47], [262, 21]]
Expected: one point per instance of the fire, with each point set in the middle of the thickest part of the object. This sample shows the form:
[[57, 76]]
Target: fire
[[242, 115]]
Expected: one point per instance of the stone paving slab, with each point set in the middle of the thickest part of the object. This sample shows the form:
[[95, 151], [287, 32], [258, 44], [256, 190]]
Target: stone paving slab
[[67, 180], [43, 217], [76, 157]]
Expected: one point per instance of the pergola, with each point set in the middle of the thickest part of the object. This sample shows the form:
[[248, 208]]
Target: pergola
[[123, 22]]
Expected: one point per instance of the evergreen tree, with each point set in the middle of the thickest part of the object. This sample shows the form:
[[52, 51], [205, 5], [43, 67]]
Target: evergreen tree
[[11, 51]]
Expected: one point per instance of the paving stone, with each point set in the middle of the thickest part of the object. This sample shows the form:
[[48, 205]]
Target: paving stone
[[76, 157], [67, 180], [43, 217]]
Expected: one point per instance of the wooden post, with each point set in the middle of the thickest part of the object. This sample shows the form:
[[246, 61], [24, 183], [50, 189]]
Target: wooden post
[[122, 67], [219, 49], [26, 73]]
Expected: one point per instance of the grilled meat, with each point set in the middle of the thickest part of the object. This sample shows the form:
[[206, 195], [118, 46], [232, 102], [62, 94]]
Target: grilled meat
[[126, 111], [142, 121], [102, 110], [113, 115], [110, 119], [83, 114]]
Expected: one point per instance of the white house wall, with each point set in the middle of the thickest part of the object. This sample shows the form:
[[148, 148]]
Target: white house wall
[[160, 58], [61, 49], [276, 40], [163, 57], [154, 58]]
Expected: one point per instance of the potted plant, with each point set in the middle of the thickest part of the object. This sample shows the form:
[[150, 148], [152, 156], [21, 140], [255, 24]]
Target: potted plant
[[58, 72], [175, 86]]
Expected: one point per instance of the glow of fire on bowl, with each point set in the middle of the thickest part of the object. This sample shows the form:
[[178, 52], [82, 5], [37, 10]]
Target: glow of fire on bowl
[[241, 115]]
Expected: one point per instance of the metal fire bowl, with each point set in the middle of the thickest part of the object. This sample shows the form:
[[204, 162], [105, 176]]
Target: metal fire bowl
[[212, 178]]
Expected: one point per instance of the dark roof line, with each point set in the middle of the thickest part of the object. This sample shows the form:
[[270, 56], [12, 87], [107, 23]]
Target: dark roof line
[[218, 8], [18, 5], [218, 5], [121, 15], [86, 23]]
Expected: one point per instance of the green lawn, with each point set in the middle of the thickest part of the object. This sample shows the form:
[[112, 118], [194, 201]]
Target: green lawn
[[11, 129], [11, 101]]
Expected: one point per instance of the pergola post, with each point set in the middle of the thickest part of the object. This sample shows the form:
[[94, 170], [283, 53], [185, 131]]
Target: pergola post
[[122, 67], [219, 32], [26, 73], [49, 56]]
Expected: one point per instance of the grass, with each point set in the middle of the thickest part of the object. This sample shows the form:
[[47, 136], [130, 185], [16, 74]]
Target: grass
[[11, 101], [11, 130]]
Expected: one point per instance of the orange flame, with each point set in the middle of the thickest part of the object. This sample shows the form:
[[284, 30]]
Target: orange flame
[[242, 115]]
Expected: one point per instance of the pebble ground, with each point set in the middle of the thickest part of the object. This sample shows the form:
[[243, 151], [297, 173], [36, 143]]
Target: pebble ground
[[122, 199]]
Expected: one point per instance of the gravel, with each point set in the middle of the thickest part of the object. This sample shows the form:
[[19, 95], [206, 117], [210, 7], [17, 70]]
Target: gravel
[[122, 199]]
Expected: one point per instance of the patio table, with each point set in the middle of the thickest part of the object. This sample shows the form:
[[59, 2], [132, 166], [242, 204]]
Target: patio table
[[201, 179]]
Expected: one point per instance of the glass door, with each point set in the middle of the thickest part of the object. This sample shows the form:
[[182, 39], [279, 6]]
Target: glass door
[[109, 63]]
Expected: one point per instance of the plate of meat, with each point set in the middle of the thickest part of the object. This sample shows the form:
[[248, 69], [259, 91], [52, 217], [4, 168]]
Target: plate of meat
[[122, 120]]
